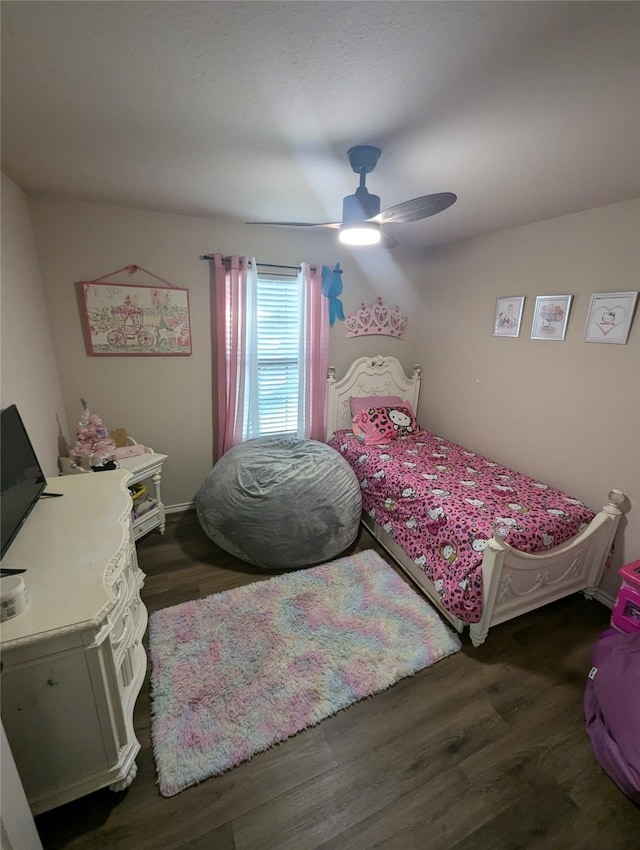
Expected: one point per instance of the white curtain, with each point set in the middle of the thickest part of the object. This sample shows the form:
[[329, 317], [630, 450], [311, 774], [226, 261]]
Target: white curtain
[[249, 415]]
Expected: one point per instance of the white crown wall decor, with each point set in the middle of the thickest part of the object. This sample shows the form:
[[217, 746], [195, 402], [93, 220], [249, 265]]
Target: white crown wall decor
[[377, 319]]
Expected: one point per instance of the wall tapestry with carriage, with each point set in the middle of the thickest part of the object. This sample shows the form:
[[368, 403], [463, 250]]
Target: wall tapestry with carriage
[[127, 318]]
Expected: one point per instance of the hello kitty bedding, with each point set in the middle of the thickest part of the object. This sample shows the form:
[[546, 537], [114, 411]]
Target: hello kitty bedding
[[439, 502]]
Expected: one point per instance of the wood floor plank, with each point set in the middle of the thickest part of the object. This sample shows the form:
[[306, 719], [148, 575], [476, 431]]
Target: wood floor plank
[[439, 814], [609, 812], [531, 736], [485, 749], [530, 822], [394, 716], [140, 818], [218, 839], [382, 771], [410, 822]]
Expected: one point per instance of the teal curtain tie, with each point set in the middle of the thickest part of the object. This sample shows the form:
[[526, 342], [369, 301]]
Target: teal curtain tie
[[331, 288]]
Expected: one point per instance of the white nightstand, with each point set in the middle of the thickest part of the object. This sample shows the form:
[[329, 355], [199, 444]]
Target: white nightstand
[[142, 467]]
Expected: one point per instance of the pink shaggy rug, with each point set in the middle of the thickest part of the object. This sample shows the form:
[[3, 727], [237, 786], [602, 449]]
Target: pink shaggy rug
[[235, 673]]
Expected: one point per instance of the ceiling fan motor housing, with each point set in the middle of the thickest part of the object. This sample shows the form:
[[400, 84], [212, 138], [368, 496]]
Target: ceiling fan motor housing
[[360, 206], [363, 158]]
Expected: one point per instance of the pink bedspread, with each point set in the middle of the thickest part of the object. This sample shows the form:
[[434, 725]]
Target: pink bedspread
[[439, 502]]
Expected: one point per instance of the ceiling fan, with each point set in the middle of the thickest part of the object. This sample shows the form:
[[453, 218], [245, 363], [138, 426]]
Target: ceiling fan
[[361, 216]]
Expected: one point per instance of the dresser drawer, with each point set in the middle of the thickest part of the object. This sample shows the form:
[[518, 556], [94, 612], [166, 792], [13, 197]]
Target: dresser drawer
[[146, 523]]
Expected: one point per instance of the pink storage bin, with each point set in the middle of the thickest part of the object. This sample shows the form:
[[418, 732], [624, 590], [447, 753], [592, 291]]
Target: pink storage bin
[[631, 574], [626, 613]]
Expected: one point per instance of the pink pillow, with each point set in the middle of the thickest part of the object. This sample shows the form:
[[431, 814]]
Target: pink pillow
[[381, 424], [373, 426], [364, 402]]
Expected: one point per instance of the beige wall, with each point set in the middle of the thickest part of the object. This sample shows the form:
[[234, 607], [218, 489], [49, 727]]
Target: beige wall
[[566, 412], [28, 367], [165, 402]]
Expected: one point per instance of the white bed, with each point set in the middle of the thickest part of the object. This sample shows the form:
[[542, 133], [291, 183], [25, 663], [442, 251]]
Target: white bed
[[513, 582]]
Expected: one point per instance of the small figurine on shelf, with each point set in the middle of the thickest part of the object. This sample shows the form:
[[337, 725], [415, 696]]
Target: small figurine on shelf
[[93, 442]]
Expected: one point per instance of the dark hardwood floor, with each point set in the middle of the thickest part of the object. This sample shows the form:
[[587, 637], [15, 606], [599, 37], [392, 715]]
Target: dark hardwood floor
[[487, 749]]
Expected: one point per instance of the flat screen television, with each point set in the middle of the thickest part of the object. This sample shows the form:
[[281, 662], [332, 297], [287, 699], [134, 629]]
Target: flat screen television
[[22, 477]]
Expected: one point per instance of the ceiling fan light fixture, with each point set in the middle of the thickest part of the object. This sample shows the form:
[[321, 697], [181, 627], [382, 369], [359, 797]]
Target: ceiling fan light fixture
[[361, 216], [360, 233]]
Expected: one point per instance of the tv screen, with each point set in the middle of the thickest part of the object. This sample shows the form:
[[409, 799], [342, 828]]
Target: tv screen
[[22, 478]]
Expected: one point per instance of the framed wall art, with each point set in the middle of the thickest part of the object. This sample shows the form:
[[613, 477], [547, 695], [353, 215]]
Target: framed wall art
[[122, 319], [508, 315], [550, 317], [610, 316]]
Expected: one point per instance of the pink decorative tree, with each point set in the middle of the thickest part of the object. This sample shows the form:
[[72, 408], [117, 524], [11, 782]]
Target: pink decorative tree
[[92, 439]]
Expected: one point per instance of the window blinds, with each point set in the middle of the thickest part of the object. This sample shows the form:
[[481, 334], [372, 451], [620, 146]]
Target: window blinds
[[278, 329]]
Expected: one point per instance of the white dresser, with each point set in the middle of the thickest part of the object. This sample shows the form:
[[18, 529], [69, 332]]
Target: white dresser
[[73, 662]]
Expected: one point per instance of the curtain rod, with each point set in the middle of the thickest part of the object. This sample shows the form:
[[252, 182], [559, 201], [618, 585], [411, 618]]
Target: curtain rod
[[271, 265], [264, 265]]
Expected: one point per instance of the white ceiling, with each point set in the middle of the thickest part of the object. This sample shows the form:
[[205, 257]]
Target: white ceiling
[[245, 110]]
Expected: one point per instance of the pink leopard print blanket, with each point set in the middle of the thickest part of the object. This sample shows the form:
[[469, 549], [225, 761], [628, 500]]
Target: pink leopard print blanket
[[439, 502]]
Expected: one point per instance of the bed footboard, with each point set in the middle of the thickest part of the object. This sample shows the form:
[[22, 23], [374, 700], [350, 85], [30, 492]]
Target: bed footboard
[[517, 582]]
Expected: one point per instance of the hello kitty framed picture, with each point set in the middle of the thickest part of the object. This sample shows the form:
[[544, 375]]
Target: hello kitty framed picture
[[610, 317], [508, 316]]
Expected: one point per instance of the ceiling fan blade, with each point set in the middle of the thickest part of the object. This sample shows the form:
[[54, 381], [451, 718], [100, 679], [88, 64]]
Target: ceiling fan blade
[[416, 208], [298, 223]]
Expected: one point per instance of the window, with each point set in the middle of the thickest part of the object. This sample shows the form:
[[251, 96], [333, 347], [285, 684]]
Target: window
[[271, 336], [272, 393]]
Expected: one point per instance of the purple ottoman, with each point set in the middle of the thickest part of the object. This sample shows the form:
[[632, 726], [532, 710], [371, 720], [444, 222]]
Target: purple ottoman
[[612, 709]]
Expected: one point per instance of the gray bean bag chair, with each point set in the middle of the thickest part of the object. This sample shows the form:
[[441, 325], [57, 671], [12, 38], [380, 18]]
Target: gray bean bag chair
[[281, 503]]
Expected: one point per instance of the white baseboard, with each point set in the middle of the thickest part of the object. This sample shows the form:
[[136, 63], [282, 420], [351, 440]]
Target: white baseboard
[[604, 598], [179, 508]]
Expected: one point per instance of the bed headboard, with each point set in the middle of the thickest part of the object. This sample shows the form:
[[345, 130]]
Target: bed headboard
[[376, 375]]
